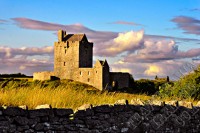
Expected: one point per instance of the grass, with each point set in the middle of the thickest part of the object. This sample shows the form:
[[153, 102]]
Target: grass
[[64, 94], [61, 94]]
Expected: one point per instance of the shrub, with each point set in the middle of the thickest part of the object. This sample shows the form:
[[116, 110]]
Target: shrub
[[186, 87]]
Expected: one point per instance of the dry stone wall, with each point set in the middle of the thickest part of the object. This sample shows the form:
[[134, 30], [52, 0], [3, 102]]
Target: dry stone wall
[[102, 119]]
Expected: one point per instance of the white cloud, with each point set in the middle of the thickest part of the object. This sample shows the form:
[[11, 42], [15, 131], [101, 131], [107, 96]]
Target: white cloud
[[153, 70], [124, 42]]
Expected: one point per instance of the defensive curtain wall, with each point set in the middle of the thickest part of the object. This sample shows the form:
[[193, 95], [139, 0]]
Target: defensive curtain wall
[[118, 118]]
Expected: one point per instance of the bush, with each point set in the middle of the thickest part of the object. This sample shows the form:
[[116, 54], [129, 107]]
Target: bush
[[145, 86], [186, 87]]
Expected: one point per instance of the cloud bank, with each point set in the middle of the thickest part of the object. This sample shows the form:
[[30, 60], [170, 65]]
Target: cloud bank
[[27, 60], [188, 24]]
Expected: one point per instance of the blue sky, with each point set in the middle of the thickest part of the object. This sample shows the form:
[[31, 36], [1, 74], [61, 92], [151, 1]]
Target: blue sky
[[143, 37]]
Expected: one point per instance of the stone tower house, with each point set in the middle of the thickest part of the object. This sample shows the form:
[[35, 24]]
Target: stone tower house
[[73, 59]]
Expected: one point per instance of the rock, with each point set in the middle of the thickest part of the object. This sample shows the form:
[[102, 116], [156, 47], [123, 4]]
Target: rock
[[14, 111], [137, 102], [118, 108], [33, 121], [198, 104], [21, 120], [84, 113], [173, 103], [63, 112], [39, 127], [40, 112], [4, 107], [29, 131], [185, 104], [44, 106], [23, 107], [4, 123], [84, 107], [1, 112], [102, 109], [121, 102], [3, 118], [22, 128], [12, 128], [46, 124], [157, 102], [124, 130]]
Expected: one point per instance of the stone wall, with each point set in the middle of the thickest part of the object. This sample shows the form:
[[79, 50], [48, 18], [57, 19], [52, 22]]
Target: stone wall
[[85, 75], [103, 119], [122, 78], [45, 75]]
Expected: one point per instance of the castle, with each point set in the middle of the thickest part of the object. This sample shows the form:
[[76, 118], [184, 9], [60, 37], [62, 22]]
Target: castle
[[73, 59]]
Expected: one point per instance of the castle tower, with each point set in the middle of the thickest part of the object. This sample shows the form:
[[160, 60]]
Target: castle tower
[[73, 60], [72, 51]]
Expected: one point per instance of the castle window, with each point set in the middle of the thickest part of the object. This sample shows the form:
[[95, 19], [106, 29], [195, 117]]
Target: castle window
[[64, 63], [80, 73], [96, 71], [65, 51], [88, 72], [67, 44], [88, 80]]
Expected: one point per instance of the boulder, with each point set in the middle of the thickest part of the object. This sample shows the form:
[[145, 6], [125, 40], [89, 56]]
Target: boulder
[[44, 106], [157, 102], [198, 104], [121, 102], [23, 107], [172, 103], [185, 104], [84, 107], [137, 102]]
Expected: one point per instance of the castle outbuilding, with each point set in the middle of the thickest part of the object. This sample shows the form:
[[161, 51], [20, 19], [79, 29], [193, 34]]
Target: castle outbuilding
[[73, 59]]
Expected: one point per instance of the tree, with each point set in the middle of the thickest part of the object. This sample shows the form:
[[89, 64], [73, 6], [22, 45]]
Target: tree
[[167, 78]]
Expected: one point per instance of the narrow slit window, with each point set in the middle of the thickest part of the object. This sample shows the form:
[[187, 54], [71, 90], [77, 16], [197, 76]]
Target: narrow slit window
[[64, 63], [88, 72], [80, 73], [88, 80]]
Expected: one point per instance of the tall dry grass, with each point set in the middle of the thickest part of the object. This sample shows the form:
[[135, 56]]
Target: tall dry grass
[[64, 94]]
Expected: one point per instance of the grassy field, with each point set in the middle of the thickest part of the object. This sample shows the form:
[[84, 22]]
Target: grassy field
[[60, 94], [64, 94]]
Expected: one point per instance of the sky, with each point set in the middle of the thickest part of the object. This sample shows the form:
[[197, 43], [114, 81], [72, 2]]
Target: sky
[[143, 37]]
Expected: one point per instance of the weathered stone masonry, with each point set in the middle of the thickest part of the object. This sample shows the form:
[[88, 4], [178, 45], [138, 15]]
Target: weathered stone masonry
[[73, 57], [102, 119]]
